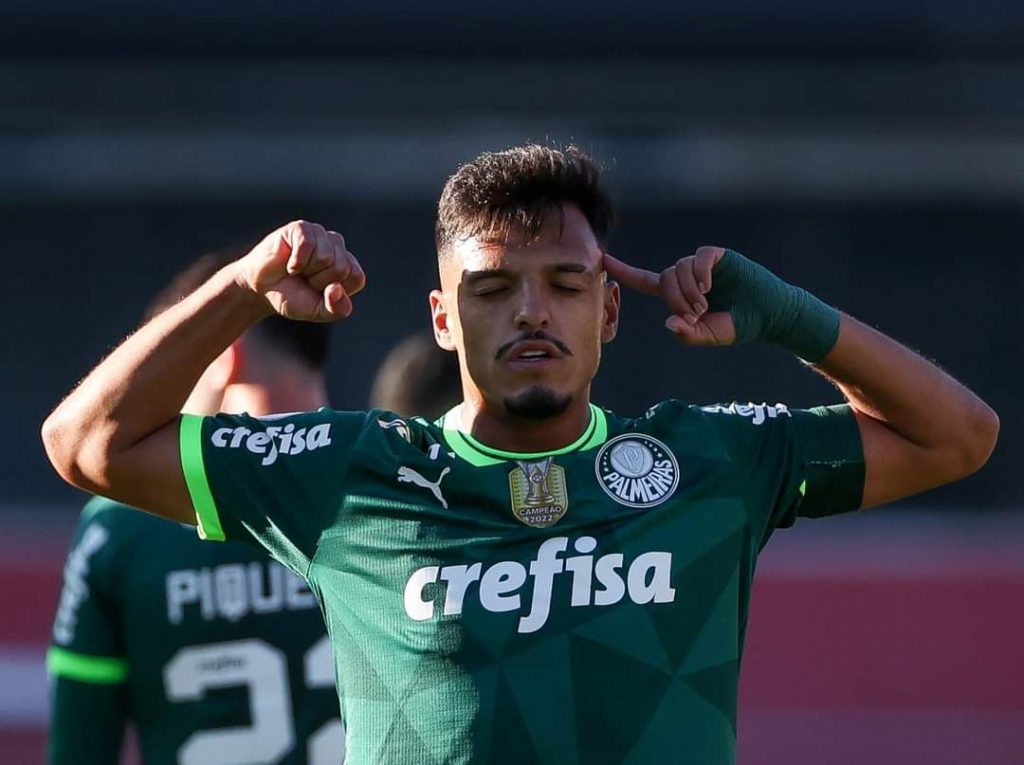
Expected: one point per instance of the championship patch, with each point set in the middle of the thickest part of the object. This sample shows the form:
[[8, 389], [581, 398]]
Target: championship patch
[[636, 470], [539, 496]]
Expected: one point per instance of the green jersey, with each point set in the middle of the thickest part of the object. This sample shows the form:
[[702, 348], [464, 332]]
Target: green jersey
[[582, 606], [214, 653]]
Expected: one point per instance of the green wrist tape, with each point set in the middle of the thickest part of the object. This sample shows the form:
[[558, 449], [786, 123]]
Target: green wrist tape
[[765, 308]]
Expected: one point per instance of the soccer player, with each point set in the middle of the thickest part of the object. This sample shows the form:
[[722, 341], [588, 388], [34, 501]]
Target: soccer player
[[214, 653], [533, 579], [417, 378]]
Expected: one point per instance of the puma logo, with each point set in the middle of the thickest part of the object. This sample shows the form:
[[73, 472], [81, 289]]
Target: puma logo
[[408, 475]]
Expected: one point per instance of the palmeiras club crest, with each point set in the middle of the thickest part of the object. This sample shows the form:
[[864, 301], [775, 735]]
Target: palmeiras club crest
[[636, 470], [539, 496]]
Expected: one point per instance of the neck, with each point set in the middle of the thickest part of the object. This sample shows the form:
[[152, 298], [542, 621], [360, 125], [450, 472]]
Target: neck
[[497, 428], [282, 395]]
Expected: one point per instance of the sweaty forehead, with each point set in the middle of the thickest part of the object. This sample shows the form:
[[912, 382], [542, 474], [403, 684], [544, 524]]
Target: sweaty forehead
[[572, 242]]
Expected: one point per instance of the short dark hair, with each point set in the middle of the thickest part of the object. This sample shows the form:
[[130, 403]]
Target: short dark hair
[[417, 378], [500, 194], [303, 341]]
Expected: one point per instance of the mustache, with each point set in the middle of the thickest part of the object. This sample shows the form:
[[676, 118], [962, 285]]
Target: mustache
[[537, 334]]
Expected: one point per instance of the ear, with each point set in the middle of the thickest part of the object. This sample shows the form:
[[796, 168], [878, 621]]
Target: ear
[[440, 318], [612, 298]]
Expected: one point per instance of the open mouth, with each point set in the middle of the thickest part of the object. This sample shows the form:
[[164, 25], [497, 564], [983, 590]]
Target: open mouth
[[533, 352], [532, 356], [537, 352]]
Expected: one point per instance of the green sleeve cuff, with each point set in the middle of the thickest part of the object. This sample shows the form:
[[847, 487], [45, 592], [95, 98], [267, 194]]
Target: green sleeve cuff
[[834, 463], [101, 670], [190, 439]]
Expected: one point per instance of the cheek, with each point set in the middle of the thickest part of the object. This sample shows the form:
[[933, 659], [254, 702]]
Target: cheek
[[474, 351], [590, 321], [483, 326], [476, 345], [465, 329]]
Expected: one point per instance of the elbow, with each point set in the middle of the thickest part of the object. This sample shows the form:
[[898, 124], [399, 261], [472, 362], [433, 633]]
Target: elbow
[[55, 446], [977, 440], [65, 448]]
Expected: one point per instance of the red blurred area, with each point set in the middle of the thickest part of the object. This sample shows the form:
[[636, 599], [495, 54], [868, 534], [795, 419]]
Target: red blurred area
[[936, 643]]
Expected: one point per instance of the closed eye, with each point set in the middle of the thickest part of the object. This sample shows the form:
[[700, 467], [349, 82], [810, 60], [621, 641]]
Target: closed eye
[[490, 291]]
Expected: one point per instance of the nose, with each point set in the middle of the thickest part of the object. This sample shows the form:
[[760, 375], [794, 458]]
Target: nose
[[533, 311]]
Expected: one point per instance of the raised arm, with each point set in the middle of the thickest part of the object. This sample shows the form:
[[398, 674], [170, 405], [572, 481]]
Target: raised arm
[[920, 428], [116, 434]]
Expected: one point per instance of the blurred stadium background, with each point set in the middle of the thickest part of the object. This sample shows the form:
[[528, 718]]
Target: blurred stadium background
[[872, 153]]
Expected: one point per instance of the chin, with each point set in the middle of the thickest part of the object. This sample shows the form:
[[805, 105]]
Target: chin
[[538, 403]]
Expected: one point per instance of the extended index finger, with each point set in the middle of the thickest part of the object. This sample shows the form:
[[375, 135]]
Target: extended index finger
[[635, 278]]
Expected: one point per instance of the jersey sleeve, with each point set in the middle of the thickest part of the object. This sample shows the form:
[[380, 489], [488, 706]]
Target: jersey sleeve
[[789, 464], [87, 722], [86, 659], [273, 481]]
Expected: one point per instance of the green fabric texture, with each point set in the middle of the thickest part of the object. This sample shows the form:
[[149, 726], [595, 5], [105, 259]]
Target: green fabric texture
[[767, 309], [87, 722], [587, 606]]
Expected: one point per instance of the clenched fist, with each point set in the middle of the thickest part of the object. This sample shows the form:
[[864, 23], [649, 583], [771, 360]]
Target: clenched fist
[[304, 272]]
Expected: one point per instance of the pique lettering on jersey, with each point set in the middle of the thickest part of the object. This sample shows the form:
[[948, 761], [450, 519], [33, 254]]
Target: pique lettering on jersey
[[603, 581], [274, 440], [758, 413], [76, 589], [233, 590]]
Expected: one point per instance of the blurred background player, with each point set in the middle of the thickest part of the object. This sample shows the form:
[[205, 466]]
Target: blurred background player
[[417, 378], [213, 652]]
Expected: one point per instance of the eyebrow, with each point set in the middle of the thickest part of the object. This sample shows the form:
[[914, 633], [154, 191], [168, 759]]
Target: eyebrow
[[472, 277], [571, 268]]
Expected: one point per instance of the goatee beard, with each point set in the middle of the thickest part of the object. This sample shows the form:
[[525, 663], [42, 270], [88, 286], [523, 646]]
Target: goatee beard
[[538, 403]]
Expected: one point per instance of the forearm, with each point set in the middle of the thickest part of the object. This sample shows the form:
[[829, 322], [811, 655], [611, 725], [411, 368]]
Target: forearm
[[912, 397], [919, 427], [142, 385]]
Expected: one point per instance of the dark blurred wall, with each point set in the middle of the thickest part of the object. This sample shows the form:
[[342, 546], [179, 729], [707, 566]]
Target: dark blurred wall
[[870, 153], [568, 28]]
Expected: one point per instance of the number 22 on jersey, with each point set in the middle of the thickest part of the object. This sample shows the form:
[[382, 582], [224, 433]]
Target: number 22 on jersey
[[263, 670]]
